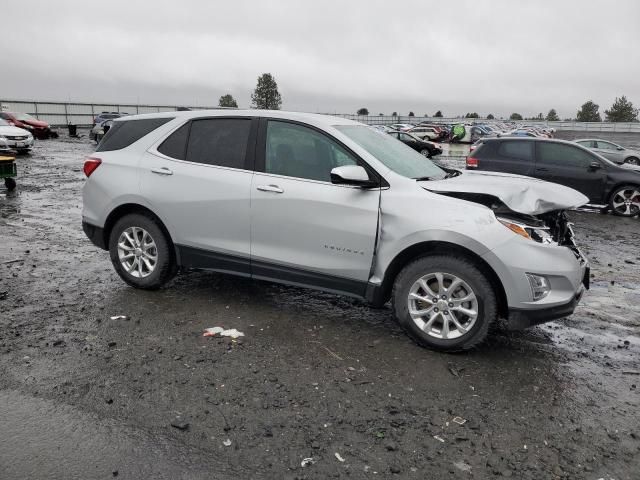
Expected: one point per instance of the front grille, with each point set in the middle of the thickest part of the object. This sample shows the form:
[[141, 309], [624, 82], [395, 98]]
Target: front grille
[[16, 138]]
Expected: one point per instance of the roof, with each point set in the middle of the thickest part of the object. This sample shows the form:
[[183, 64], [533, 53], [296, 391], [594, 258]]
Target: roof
[[315, 119]]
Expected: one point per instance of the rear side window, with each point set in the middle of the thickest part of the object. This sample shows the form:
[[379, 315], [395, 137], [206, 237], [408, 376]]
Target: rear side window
[[175, 146], [563, 155], [123, 134], [219, 141], [516, 150]]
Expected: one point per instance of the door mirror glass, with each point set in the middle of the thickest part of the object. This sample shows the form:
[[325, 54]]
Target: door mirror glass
[[351, 175]]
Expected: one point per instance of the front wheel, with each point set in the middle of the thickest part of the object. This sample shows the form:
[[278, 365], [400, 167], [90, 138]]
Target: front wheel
[[632, 161], [425, 152], [141, 252], [625, 201], [444, 303]]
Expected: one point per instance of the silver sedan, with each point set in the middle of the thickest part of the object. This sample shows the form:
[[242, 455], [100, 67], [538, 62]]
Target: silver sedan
[[614, 152]]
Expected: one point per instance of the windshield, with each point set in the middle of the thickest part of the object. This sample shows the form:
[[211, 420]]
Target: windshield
[[393, 154], [23, 116]]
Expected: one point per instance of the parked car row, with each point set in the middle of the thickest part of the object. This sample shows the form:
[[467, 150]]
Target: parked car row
[[428, 149], [38, 129]]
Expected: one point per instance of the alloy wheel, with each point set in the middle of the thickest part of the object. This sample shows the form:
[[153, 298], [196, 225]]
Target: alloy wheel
[[137, 252], [626, 201], [443, 305]]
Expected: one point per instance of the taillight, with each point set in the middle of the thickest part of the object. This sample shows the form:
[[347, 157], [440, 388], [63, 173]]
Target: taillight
[[90, 165], [472, 162]]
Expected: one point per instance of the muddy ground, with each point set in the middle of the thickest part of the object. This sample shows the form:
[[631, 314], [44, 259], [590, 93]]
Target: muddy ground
[[316, 376]]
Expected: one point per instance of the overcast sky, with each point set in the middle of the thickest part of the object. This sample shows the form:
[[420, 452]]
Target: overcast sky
[[327, 55]]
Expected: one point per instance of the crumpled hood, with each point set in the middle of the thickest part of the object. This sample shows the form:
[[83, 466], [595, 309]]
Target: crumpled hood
[[521, 194]]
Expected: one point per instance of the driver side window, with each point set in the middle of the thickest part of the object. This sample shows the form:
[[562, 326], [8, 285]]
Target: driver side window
[[297, 151]]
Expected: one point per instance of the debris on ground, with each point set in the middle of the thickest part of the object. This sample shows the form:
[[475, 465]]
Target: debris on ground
[[212, 332], [459, 420], [227, 442], [307, 462], [439, 438], [119, 317], [340, 459], [180, 424], [460, 465]]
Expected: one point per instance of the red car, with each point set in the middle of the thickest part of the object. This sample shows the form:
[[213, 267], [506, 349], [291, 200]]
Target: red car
[[38, 128]]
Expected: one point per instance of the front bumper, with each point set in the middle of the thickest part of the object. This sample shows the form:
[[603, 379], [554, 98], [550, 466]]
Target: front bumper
[[519, 319], [18, 143]]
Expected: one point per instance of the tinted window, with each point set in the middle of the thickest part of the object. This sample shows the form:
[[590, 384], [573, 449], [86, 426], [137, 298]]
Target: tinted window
[[123, 134], [297, 151], [175, 146], [563, 155], [516, 150], [219, 141]]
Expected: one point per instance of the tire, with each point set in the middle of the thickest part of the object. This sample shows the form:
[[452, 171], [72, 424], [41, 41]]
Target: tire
[[632, 161], [473, 281], [24, 151], [142, 227], [10, 183], [425, 152], [625, 201]]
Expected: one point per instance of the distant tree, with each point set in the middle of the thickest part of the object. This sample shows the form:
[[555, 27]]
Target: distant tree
[[622, 111], [552, 116], [394, 114], [588, 113], [438, 114], [266, 95], [363, 111], [411, 114], [490, 116], [227, 101], [380, 114], [472, 115], [515, 116], [540, 116]]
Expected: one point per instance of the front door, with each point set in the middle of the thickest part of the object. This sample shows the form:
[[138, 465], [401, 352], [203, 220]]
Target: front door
[[304, 229], [571, 166]]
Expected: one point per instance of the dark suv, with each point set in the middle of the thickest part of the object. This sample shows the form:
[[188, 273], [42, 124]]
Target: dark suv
[[566, 163]]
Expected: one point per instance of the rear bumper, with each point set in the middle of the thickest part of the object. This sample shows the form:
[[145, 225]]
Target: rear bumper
[[95, 234]]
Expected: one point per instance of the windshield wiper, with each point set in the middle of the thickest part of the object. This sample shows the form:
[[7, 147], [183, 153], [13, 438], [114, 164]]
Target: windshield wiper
[[452, 173], [421, 179]]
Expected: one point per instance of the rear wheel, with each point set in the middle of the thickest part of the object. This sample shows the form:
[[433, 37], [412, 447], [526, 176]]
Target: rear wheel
[[425, 152], [625, 201], [141, 252], [632, 161], [444, 303], [10, 183]]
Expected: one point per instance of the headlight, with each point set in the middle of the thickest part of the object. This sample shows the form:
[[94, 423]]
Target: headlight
[[2, 137], [530, 232]]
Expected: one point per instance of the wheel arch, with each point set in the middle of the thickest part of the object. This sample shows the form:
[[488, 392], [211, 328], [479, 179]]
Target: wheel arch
[[618, 185], [433, 247], [129, 208]]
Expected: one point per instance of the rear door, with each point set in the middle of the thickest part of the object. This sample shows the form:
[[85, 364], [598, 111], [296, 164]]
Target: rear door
[[197, 181], [510, 156], [571, 166], [304, 229]]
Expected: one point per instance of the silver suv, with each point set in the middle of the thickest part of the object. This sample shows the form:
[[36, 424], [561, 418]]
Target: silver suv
[[328, 203]]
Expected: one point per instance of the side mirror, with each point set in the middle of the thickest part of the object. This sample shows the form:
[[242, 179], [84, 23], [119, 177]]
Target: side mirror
[[352, 175], [620, 148], [595, 166]]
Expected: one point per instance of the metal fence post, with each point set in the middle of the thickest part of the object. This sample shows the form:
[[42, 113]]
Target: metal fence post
[[66, 114]]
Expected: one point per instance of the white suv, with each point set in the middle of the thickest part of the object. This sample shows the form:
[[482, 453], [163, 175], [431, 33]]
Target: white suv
[[328, 203]]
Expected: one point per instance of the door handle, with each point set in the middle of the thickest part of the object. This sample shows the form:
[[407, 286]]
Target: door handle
[[270, 188], [542, 169], [162, 171]]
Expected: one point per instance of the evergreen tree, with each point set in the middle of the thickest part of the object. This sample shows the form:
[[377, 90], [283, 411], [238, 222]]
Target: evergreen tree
[[622, 111], [411, 114], [363, 111], [438, 114], [515, 116], [266, 95], [552, 116], [490, 116]]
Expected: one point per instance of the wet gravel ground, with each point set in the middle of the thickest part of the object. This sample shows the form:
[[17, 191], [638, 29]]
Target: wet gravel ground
[[317, 376]]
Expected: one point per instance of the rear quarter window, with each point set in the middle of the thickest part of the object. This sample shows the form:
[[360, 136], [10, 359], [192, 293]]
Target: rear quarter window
[[123, 134]]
